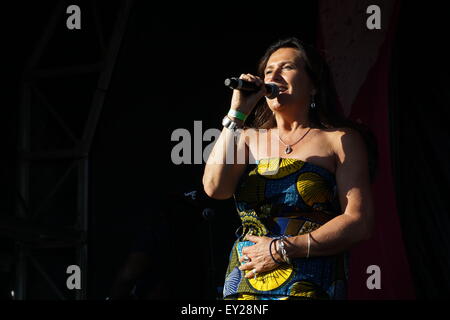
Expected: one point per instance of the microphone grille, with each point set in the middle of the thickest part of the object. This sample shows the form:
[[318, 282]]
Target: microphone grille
[[274, 90]]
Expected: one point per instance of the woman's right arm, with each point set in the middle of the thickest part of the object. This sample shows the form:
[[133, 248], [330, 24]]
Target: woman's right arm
[[225, 165], [228, 160]]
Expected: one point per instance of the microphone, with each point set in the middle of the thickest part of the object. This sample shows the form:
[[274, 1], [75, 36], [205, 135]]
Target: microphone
[[243, 85], [208, 213]]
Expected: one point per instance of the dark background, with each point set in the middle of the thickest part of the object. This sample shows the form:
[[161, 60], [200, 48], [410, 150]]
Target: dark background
[[168, 74]]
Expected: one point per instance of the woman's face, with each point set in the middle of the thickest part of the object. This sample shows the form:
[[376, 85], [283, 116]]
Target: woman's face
[[285, 68]]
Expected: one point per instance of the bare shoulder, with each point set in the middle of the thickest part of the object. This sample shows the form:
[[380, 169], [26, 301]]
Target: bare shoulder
[[346, 141]]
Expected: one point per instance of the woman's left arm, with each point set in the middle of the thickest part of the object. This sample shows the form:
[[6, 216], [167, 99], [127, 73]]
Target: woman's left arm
[[354, 225], [356, 222]]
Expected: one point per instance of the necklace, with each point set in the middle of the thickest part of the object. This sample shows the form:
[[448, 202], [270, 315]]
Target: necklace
[[289, 146]]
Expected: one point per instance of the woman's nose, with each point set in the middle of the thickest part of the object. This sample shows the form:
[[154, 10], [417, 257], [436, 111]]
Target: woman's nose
[[274, 76]]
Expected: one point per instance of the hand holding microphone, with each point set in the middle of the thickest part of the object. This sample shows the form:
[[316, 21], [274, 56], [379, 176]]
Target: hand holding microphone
[[272, 90], [248, 90]]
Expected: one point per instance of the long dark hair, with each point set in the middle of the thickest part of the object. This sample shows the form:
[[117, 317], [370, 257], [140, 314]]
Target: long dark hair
[[326, 113]]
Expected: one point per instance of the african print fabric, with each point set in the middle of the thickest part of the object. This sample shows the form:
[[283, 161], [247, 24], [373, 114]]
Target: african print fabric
[[286, 196]]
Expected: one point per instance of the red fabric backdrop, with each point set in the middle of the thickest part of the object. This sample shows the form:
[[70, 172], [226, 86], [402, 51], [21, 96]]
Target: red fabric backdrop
[[370, 105]]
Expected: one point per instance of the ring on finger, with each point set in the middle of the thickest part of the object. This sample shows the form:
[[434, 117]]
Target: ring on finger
[[246, 259], [255, 273]]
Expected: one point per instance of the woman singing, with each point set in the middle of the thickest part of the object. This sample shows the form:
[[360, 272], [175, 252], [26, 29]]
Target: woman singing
[[302, 187]]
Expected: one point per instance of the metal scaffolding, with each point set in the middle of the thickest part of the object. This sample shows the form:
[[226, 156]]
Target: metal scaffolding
[[25, 228]]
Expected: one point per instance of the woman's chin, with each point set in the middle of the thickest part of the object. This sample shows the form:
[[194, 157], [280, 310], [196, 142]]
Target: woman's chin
[[277, 104], [277, 107]]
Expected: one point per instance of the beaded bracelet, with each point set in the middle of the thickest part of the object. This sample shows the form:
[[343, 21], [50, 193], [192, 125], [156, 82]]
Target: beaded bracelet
[[283, 249]]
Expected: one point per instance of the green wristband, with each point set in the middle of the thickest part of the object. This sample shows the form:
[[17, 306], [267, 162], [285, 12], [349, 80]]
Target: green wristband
[[237, 114]]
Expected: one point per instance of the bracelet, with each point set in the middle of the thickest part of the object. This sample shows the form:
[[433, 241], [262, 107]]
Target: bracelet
[[270, 251], [230, 124], [237, 114], [309, 245], [283, 250]]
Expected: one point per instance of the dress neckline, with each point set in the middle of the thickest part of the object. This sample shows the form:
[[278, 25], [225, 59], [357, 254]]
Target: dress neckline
[[296, 159]]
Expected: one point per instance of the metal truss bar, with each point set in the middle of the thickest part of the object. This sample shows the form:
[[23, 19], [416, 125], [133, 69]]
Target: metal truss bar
[[80, 153], [53, 191], [114, 43], [21, 272], [98, 28], [55, 18], [55, 115], [45, 275], [66, 71], [83, 223], [75, 153], [22, 203], [23, 137], [105, 76], [23, 171], [28, 233]]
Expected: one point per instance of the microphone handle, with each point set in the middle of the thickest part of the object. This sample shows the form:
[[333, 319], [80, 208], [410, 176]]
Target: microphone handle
[[243, 85]]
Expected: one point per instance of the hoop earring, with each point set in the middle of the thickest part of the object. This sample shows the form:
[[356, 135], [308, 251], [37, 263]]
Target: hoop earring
[[313, 103]]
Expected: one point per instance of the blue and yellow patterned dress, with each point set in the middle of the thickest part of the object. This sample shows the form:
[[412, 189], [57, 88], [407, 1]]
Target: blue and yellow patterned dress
[[286, 196]]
